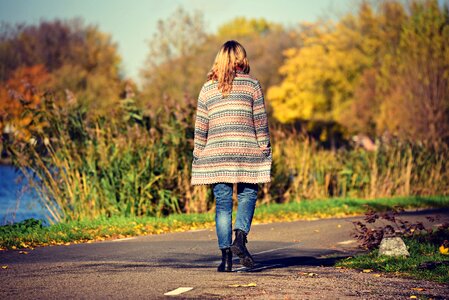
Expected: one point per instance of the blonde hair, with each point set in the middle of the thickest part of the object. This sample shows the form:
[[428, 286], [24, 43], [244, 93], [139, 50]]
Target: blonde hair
[[230, 58]]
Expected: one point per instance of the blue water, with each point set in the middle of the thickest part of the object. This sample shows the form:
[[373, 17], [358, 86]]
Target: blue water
[[17, 201]]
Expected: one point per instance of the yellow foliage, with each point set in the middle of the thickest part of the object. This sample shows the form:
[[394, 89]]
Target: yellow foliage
[[323, 78], [320, 76], [252, 284], [243, 27]]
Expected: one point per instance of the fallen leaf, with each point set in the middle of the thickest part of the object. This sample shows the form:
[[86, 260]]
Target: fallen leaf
[[178, 291], [444, 250], [367, 270], [4, 267], [252, 284], [377, 275], [339, 226], [316, 230], [23, 252], [413, 297], [308, 274], [418, 289]]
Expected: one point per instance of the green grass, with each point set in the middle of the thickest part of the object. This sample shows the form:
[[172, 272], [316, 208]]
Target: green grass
[[420, 252], [30, 234], [337, 207]]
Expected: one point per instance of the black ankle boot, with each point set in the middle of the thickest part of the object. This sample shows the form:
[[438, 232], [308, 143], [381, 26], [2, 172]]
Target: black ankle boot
[[226, 261], [238, 248]]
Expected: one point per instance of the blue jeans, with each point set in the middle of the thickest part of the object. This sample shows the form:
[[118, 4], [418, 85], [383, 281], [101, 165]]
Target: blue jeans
[[247, 196]]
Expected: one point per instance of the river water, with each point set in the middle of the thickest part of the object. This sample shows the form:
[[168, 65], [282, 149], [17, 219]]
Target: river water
[[17, 202]]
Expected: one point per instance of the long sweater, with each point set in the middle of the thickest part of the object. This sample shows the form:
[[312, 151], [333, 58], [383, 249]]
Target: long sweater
[[232, 141]]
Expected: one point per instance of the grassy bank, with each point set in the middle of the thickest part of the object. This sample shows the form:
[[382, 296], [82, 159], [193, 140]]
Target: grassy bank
[[420, 252], [31, 234]]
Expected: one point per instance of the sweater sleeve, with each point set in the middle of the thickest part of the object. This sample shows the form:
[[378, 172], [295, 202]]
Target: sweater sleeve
[[201, 125], [260, 118]]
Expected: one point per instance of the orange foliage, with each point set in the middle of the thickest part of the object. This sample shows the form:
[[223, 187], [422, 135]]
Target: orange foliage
[[21, 91]]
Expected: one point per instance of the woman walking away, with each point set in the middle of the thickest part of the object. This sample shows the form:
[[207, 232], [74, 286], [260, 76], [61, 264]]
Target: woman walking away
[[232, 145]]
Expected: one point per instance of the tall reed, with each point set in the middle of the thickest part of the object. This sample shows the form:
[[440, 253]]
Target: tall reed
[[137, 162], [304, 170]]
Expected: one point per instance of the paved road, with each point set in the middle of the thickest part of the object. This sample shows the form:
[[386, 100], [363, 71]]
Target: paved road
[[147, 267]]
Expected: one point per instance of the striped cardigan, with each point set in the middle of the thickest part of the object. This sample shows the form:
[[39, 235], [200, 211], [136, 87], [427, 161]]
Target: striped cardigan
[[232, 141]]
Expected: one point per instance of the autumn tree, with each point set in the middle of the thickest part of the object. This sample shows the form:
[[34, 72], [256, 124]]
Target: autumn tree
[[94, 76], [320, 76], [20, 92], [178, 60], [416, 104], [181, 53], [79, 58], [264, 41], [380, 28], [382, 69]]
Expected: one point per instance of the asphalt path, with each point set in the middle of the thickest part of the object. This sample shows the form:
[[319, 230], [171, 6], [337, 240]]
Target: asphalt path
[[295, 260]]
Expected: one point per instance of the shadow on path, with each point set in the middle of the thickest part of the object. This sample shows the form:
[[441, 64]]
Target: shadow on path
[[289, 257], [276, 259]]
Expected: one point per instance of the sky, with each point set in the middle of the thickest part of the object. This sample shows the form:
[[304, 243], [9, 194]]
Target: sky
[[132, 23]]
